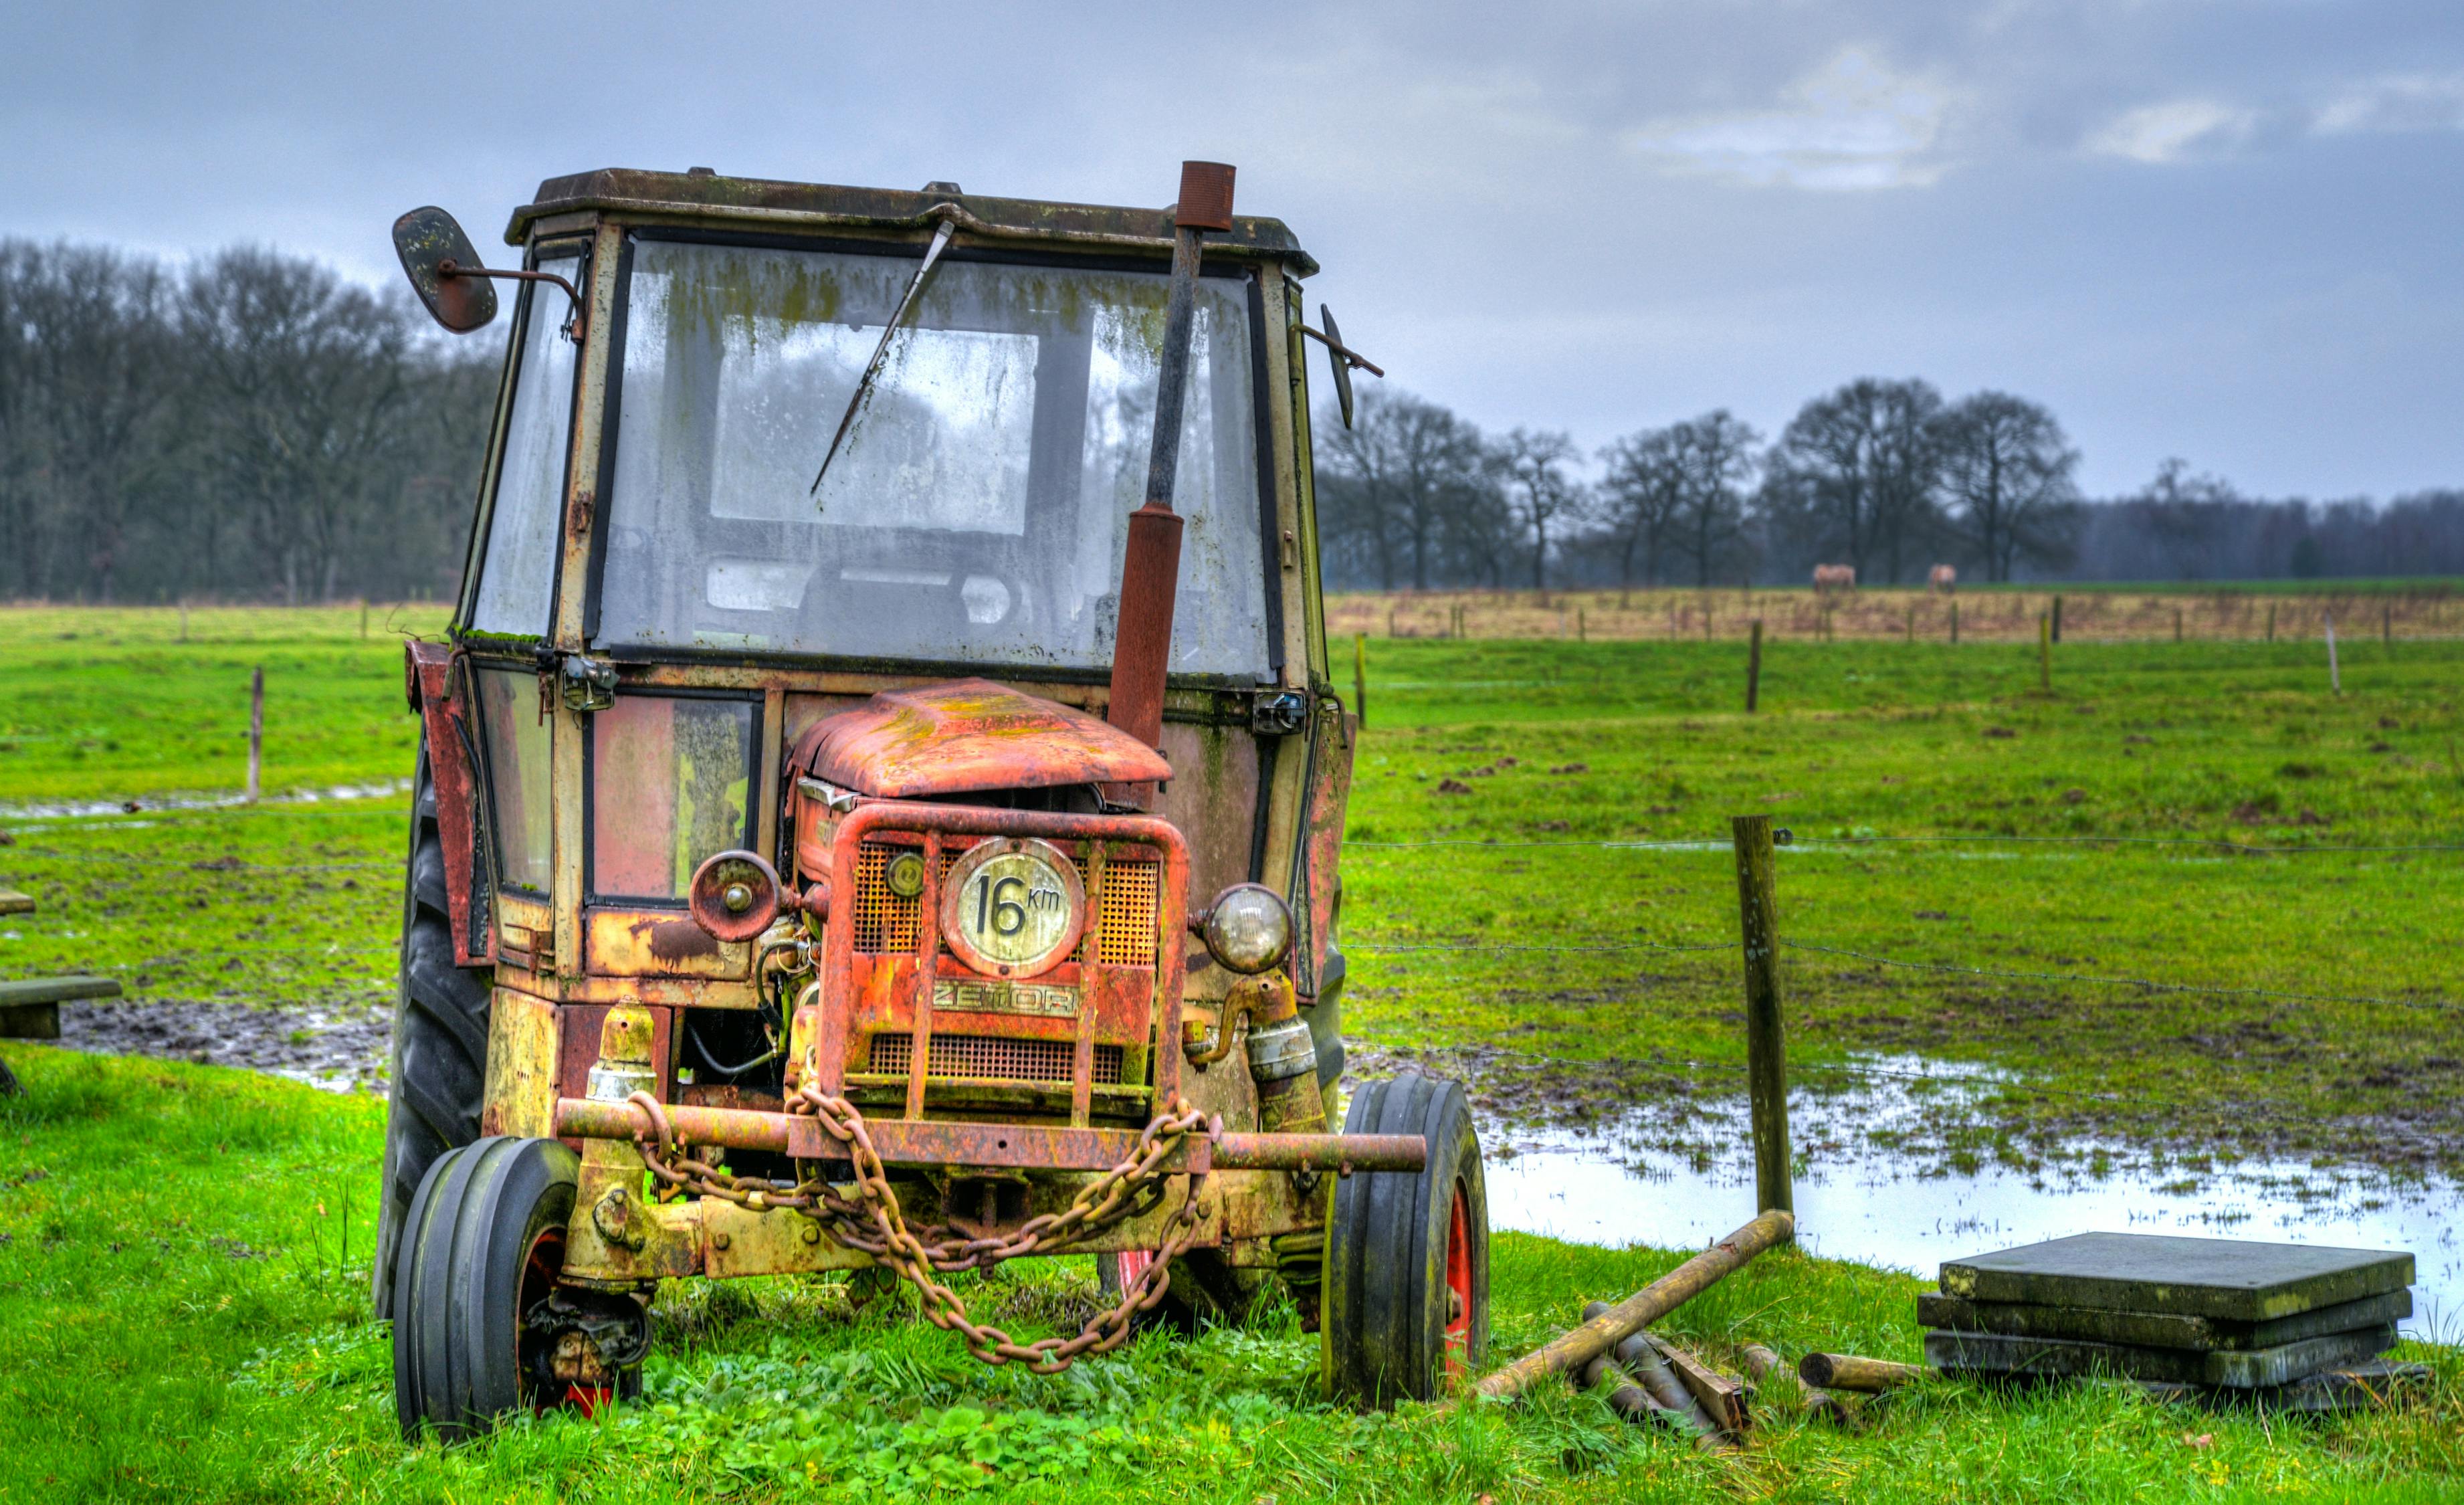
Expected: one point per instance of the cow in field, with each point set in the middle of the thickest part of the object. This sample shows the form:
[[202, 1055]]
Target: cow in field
[[1828, 578], [1943, 581]]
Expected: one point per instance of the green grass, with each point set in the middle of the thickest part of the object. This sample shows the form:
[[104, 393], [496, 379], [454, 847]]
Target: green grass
[[184, 1319], [177, 1366], [2234, 742]]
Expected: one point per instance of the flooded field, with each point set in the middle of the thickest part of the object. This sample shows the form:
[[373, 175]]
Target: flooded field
[[1622, 1183]]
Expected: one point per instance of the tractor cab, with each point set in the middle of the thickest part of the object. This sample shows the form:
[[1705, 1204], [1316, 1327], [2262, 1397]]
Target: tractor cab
[[879, 801]]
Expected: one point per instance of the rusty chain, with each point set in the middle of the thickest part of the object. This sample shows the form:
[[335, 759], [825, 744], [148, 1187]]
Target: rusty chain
[[872, 1222]]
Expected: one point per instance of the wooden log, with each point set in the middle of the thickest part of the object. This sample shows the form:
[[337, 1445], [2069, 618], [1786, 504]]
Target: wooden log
[[1849, 1372], [1571, 1351]]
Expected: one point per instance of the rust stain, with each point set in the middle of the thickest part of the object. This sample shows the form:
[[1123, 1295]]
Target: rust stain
[[675, 940]]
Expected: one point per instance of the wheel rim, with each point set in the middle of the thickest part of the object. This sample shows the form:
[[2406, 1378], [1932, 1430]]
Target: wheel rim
[[541, 1264], [1458, 1283]]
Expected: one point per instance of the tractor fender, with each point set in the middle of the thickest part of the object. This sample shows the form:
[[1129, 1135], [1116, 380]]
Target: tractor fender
[[435, 691]]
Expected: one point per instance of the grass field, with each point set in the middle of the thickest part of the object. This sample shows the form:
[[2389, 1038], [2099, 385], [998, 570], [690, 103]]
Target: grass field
[[1532, 821]]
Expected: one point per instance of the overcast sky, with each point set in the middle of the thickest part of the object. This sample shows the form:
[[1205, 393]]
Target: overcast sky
[[2225, 230]]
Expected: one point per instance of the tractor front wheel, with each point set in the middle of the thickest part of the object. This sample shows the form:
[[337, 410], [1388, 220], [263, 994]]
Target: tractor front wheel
[[480, 1252], [1406, 1285]]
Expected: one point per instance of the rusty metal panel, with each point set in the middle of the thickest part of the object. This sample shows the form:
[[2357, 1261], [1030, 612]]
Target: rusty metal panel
[[523, 1080], [661, 943], [578, 1048], [1213, 799], [427, 673], [968, 734], [1316, 886]]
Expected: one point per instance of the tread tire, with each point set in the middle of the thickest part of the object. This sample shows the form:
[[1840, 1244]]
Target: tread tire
[[459, 1281], [440, 1039], [1386, 1297]]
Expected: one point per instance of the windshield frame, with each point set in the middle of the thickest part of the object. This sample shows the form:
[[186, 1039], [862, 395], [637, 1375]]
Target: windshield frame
[[483, 516], [911, 249]]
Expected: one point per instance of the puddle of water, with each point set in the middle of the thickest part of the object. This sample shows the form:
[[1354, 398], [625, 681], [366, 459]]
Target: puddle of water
[[1868, 1205], [90, 809]]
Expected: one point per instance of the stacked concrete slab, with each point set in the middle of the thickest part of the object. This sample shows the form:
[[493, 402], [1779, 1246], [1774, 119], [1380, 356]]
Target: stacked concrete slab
[[2285, 1326]]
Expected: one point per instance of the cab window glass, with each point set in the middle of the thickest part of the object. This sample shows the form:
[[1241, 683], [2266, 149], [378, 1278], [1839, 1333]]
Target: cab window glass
[[517, 576], [516, 737], [671, 782]]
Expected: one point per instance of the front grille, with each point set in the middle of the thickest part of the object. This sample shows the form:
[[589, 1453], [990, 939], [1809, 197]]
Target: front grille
[[1124, 930], [990, 1055]]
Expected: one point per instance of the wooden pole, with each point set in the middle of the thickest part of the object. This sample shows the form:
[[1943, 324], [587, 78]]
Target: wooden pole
[[1954, 624], [2387, 625], [364, 619], [184, 621], [1754, 667], [2058, 619], [2045, 653], [2177, 624], [1582, 625], [2335, 680], [1361, 680], [2270, 622], [1571, 1351], [1766, 1039], [255, 731], [1912, 622]]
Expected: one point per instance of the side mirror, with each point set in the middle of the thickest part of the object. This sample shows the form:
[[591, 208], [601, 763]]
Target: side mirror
[[1341, 359], [439, 260]]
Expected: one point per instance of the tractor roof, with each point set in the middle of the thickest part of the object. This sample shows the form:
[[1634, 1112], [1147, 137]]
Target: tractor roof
[[761, 203]]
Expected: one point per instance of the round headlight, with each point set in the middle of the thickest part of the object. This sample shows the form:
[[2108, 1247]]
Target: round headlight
[[1012, 907], [1249, 928]]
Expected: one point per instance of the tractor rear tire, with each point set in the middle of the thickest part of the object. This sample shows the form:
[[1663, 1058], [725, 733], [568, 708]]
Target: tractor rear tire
[[440, 1039], [1406, 1285], [482, 1246]]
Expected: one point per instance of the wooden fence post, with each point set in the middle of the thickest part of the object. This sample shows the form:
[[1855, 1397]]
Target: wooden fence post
[[255, 731], [2387, 625], [1361, 680], [1954, 624], [363, 619], [2270, 622], [1754, 667], [2335, 680], [2045, 652], [2177, 624], [1766, 1040], [2058, 619]]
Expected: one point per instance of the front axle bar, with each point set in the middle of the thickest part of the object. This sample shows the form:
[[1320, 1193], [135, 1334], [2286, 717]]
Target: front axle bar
[[909, 1141]]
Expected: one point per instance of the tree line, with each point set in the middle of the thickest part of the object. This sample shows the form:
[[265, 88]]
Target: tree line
[[1886, 477], [253, 426], [250, 426]]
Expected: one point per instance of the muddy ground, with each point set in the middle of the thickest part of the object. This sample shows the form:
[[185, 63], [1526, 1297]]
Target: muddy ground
[[338, 1052]]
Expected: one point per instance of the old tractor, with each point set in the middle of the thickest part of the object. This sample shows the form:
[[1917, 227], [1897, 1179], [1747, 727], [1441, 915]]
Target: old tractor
[[879, 801]]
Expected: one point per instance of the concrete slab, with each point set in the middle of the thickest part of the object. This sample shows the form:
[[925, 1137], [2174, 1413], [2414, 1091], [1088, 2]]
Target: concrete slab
[[2355, 1388], [1998, 1354], [2229, 1278], [2156, 1329]]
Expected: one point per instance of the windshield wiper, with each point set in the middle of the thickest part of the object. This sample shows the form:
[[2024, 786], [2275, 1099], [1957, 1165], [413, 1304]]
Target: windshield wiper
[[872, 368]]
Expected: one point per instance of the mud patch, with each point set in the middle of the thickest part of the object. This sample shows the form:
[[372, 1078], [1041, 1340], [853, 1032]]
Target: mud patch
[[337, 1050]]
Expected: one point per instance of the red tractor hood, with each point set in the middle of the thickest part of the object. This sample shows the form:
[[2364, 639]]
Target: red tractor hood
[[968, 735]]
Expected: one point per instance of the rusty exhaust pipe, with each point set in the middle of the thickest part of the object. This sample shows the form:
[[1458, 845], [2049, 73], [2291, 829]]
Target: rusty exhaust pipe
[[1150, 565]]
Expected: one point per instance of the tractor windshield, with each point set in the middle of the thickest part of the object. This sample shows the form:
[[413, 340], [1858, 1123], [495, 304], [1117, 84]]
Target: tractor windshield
[[979, 507]]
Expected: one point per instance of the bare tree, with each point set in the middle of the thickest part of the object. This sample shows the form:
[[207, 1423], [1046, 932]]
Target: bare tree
[[1855, 475], [1715, 457], [1639, 494], [1542, 492], [2008, 469]]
